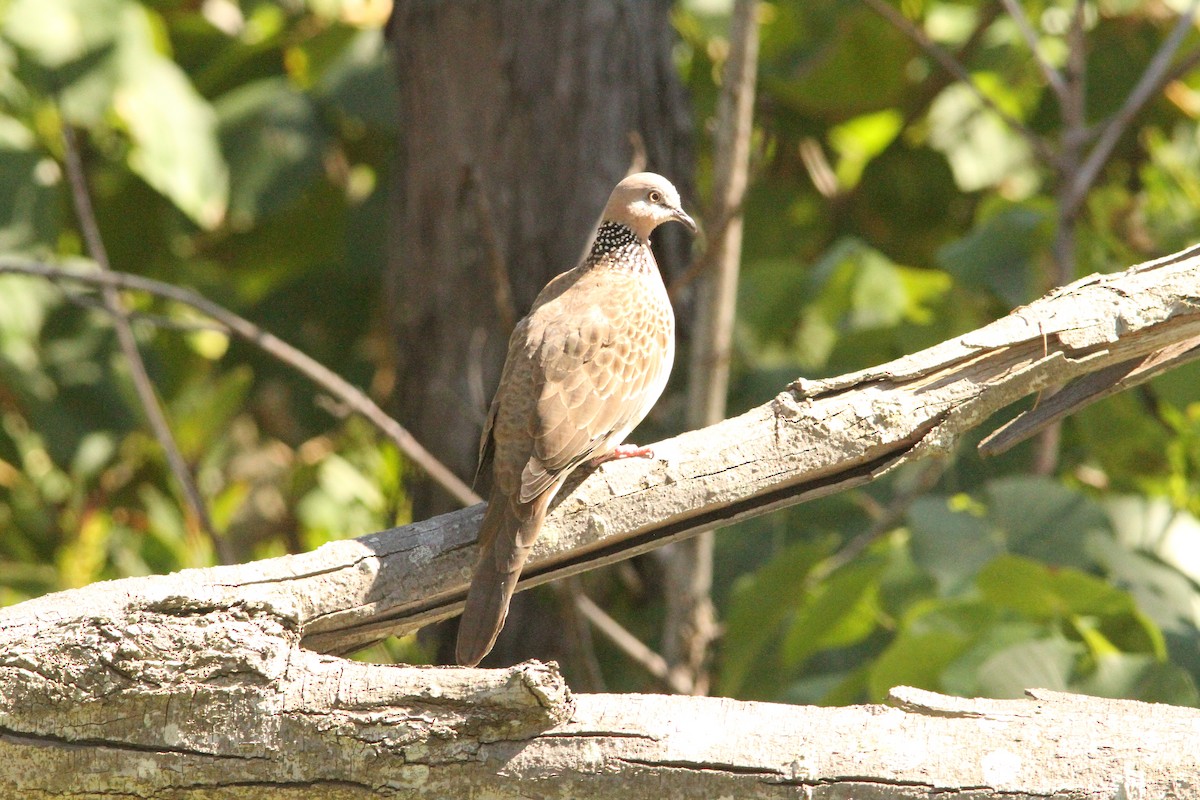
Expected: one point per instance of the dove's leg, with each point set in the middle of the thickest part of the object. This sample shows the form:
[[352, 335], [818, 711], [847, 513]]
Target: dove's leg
[[623, 451]]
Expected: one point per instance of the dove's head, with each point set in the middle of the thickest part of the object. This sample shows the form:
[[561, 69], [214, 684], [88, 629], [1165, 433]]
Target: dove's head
[[644, 201]]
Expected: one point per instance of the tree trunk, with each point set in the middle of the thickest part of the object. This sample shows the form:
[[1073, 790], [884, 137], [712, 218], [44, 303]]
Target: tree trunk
[[516, 121]]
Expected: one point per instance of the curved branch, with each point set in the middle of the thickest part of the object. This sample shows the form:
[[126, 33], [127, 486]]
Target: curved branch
[[353, 398], [143, 387]]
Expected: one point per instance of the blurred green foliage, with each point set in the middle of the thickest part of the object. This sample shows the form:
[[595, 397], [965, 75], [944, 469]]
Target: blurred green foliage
[[242, 149], [892, 210]]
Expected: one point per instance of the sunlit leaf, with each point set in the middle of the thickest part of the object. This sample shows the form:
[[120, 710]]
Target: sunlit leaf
[[58, 32], [1097, 610], [914, 659], [173, 129], [841, 611], [1042, 592], [859, 140], [983, 150]]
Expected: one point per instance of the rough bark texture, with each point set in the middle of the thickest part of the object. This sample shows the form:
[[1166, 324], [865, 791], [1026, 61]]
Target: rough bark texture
[[218, 683], [183, 701]]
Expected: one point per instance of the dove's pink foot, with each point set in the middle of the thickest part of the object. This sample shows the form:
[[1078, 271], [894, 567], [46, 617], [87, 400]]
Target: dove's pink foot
[[623, 451]]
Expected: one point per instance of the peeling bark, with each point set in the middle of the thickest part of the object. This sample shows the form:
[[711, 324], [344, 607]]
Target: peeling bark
[[220, 683]]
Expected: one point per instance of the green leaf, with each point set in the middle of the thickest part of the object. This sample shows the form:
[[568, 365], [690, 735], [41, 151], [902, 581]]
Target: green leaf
[[205, 407], [766, 298], [933, 635], [1104, 616], [856, 287], [360, 80], [914, 659], [274, 141], [58, 32], [172, 128], [67, 50], [1001, 254], [826, 53], [95, 451], [994, 632], [1161, 586], [1041, 592], [859, 140], [983, 150], [952, 545], [841, 611], [759, 605], [1139, 677], [29, 201], [923, 289], [1044, 519], [1041, 664]]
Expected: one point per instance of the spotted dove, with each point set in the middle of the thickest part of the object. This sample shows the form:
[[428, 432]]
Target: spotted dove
[[583, 369]]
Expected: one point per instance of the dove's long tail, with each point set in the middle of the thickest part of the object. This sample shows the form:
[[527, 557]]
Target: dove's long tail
[[507, 534]]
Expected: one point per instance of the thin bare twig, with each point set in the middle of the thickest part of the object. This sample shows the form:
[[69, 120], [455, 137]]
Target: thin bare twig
[[1053, 77], [888, 519], [1074, 105], [1151, 81], [353, 398], [819, 171], [1182, 67], [951, 65], [690, 626], [143, 386], [630, 645], [568, 590]]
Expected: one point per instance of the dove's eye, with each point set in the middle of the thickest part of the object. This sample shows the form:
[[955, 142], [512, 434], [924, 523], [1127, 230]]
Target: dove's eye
[[655, 197]]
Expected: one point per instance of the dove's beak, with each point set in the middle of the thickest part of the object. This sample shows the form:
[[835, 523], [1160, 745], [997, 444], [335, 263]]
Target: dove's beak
[[683, 217]]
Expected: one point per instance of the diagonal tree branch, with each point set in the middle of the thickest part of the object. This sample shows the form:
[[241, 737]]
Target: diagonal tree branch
[[142, 384], [1151, 81], [1053, 77], [346, 393], [814, 439]]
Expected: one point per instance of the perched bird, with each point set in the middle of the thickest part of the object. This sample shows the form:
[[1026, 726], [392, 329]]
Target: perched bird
[[583, 369]]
